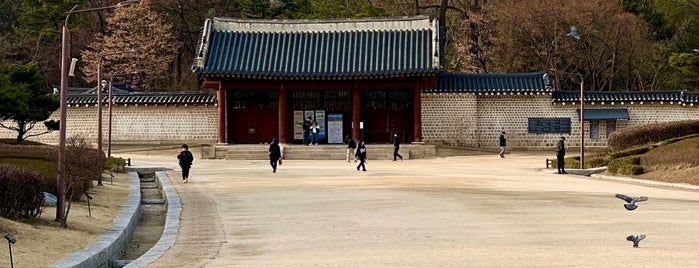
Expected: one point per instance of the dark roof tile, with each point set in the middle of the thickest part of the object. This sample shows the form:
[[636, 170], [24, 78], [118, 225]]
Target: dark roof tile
[[148, 98], [328, 51], [490, 83]]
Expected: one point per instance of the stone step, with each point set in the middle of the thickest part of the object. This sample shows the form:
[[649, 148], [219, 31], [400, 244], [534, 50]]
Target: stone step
[[319, 152]]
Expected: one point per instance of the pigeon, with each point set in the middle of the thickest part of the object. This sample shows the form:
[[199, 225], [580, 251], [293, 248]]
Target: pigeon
[[635, 239], [631, 201]]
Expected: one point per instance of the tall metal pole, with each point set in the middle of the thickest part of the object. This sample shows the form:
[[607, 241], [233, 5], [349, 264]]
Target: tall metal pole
[[60, 179], [99, 118], [582, 124], [65, 54], [109, 131]]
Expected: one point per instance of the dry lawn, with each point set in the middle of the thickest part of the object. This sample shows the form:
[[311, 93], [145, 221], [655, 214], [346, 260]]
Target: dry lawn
[[41, 242], [677, 162]]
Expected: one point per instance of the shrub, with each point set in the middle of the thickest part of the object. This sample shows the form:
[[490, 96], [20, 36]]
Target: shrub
[[571, 162], [629, 152], [81, 166], [651, 133], [20, 193], [596, 162], [629, 165], [116, 164]]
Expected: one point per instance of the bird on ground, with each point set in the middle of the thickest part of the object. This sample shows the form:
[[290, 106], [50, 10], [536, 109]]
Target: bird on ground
[[635, 239], [631, 201]]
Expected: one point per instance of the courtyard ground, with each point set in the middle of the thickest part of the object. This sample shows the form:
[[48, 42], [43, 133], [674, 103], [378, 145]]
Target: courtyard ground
[[458, 211], [466, 209]]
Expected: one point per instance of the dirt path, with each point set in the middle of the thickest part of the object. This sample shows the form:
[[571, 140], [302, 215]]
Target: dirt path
[[466, 211]]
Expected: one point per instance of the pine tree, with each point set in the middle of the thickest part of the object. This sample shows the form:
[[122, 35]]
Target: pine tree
[[139, 46]]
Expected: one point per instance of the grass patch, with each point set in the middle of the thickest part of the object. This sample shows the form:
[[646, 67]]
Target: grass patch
[[44, 168]]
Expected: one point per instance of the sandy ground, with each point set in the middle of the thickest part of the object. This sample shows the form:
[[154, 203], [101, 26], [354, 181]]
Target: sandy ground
[[464, 211], [42, 242]]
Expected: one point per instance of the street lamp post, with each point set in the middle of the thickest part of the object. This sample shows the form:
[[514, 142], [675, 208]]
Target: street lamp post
[[574, 34], [100, 85], [582, 117], [65, 54], [582, 124]]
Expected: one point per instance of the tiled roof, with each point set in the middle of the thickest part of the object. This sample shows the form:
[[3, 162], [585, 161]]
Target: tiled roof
[[490, 83], [604, 114], [318, 49], [617, 96], [147, 98], [690, 97]]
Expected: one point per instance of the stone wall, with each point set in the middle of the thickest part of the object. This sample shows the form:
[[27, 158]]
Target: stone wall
[[142, 124], [475, 120], [457, 119]]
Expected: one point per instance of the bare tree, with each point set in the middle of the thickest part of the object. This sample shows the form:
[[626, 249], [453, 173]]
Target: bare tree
[[531, 35], [137, 40]]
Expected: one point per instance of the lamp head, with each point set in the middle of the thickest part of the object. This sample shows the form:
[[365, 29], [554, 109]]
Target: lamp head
[[10, 238], [104, 83]]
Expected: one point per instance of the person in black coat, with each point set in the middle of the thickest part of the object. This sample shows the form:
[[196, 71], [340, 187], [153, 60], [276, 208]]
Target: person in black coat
[[351, 148], [502, 141], [561, 156], [307, 131], [396, 147], [361, 154], [275, 153], [185, 158]]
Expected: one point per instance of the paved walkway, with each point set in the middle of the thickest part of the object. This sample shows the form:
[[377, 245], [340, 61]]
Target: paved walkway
[[465, 211]]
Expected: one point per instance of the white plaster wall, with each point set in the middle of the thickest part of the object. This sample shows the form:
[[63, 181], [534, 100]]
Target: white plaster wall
[[136, 124]]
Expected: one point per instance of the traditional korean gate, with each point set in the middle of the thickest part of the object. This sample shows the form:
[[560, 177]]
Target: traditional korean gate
[[252, 116], [385, 112], [332, 101]]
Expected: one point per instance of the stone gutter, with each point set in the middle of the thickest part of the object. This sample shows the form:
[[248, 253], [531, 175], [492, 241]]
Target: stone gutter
[[113, 242], [172, 223]]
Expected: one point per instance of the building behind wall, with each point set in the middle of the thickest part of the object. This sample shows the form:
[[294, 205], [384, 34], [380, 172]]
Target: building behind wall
[[361, 78]]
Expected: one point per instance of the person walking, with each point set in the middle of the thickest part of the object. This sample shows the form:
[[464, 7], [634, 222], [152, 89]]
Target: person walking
[[361, 154], [503, 143], [396, 147], [561, 156], [307, 131], [314, 132], [351, 148], [275, 154], [186, 158]]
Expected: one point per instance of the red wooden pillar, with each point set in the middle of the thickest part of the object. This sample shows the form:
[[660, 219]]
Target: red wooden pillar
[[221, 133], [417, 113], [356, 111], [283, 116]]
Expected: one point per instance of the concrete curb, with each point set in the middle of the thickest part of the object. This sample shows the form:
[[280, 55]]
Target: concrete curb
[[594, 173], [648, 182], [172, 223], [112, 243]]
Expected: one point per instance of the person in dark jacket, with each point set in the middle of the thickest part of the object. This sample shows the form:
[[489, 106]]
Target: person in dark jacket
[[275, 153], [307, 131], [396, 147], [351, 148], [502, 139], [361, 154], [561, 156], [186, 158]]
